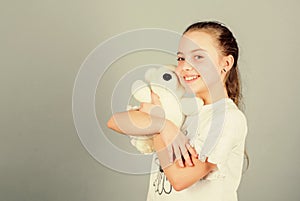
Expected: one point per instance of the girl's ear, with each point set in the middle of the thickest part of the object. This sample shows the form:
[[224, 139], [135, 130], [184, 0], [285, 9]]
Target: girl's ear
[[227, 62]]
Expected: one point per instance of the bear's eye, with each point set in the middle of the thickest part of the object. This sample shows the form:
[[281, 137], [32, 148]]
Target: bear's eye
[[167, 76]]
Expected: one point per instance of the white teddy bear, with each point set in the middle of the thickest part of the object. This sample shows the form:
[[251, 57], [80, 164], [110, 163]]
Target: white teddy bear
[[164, 82]]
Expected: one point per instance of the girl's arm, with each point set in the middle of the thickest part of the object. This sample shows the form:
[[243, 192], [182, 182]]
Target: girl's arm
[[181, 178], [136, 123], [149, 120], [141, 123]]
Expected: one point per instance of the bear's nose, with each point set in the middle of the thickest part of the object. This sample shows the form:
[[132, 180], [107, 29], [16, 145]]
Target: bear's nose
[[167, 76]]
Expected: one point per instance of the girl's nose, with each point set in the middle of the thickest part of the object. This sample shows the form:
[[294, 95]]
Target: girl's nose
[[187, 67], [183, 66]]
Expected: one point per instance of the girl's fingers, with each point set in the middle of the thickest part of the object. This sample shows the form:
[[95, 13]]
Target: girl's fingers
[[155, 98], [146, 107], [178, 156], [153, 110], [182, 140], [187, 159], [191, 150], [186, 155], [180, 162]]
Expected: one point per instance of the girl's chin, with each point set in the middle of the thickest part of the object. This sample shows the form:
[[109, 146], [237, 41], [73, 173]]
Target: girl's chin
[[191, 89], [194, 86], [195, 89]]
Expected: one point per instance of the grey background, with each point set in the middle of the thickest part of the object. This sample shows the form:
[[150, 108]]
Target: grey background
[[43, 44]]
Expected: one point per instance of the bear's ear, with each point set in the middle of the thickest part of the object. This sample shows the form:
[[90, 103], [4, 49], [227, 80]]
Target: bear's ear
[[150, 74], [170, 67]]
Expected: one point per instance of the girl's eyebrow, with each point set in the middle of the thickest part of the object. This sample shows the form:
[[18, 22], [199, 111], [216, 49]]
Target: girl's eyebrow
[[195, 50]]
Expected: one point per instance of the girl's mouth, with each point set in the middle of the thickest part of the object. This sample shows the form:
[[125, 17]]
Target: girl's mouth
[[190, 78]]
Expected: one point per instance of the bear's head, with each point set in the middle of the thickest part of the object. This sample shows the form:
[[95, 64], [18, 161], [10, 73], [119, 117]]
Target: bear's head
[[165, 77]]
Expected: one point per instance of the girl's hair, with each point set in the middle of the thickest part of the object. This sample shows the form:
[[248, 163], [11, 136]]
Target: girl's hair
[[228, 46]]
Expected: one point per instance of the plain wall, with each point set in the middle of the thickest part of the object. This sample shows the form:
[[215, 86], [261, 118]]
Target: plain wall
[[43, 43]]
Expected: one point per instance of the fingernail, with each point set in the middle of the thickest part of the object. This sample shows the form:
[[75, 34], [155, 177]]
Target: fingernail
[[190, 163], [181, 164]]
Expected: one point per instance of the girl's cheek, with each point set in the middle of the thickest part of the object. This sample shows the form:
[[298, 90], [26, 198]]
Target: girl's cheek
[[179, 66]]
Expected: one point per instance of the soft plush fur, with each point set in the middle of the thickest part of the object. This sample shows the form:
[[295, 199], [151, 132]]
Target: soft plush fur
[[164, 82]]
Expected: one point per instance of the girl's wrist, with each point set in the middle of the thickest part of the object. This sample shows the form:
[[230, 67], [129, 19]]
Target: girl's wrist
[[158, 143], [166, 124]]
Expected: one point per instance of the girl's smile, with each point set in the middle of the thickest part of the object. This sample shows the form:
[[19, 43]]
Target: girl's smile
[[190, 78]]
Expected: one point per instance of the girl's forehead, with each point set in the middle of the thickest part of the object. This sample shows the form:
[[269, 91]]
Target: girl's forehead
[[196, 40]]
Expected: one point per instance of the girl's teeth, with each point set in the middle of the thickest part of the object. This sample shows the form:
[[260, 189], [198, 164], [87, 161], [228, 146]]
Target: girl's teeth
[[188, 78]]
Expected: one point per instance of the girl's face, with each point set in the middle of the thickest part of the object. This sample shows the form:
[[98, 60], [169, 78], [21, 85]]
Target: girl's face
[[199, 63]]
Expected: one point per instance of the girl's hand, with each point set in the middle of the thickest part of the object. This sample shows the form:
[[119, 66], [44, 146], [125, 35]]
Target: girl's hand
[[152, 109], [176, 142], [155, 102]]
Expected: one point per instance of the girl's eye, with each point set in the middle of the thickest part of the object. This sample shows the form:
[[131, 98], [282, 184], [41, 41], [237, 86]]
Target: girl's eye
[[180, 59], [198, 57]]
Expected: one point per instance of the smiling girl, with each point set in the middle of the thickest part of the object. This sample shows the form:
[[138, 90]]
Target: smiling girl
[[207, 67]]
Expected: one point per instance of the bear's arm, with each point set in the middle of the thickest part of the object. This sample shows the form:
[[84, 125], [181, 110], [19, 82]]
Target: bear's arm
[[135, 123]]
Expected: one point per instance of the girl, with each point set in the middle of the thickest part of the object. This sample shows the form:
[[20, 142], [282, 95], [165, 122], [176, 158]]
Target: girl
[[207, 66]]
